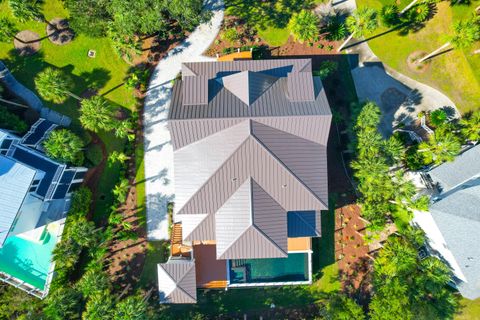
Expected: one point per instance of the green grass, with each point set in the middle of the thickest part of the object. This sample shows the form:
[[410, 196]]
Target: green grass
[[103, 74], [469, 310], [157, 252], [455, 73], [269, 18], [274, 36]]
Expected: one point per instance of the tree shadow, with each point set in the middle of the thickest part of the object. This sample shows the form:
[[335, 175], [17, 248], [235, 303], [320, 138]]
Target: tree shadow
[[96, 79]]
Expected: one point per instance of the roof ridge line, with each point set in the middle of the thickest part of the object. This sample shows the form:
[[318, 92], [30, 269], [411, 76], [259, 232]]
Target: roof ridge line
[[213, 173], [306, 223], [288, 169], [268, 238]]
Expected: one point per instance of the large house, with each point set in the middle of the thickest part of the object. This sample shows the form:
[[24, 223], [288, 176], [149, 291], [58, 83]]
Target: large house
[[453, 223], [34, 199], [250, 174]]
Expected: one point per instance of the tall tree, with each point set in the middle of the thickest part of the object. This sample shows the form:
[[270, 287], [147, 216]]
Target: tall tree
[[188, 13], [65, 146], [7, 29], [341, 307], [89, 17], [97, 114], [470, 126], [54, 85], [362, 22], [304, 25], [465, 33]]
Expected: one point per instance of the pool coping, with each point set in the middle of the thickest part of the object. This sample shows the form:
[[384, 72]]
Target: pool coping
[[28, 288]]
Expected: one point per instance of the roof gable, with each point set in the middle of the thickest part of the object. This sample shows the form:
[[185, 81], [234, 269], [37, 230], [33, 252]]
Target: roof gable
[[177, 282], [248, 86]]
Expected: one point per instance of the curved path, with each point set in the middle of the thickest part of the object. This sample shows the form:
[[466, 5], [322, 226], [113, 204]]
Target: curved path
[[378, 82], [158, 149], [30, 98]]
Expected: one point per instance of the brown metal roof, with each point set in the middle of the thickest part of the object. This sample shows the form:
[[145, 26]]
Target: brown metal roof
[[176, 281], [249, 155]]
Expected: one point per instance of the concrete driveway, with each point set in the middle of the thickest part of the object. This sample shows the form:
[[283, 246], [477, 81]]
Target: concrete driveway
[[160, 189]]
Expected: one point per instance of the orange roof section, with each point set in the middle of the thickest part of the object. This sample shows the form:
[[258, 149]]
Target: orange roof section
[[299, 244], [244, 55]]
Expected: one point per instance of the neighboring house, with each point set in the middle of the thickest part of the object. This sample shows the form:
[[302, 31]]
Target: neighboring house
[[34, 199], [453, 222], [250, 162]]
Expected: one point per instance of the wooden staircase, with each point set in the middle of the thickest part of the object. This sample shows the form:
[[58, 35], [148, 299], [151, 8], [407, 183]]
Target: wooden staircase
[[177, 248]]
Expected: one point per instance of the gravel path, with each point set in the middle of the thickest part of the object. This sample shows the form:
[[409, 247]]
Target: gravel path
[[158, 150]]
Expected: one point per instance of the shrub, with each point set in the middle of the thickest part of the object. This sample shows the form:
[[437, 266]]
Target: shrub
[[389, 15], [11, 121], [230, 35], [81, 200], [326, 69], [413, 159], [438, 117], [63, 145]]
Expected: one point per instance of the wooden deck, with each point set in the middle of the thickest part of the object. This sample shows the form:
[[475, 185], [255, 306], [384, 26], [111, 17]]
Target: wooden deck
[[299, 244], [243, 55], [177, 248]]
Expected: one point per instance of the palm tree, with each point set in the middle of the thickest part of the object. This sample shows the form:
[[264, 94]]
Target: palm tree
[[117, 156], [304, 25], [7, 29], [465, 33], [63, 145], [393, 149], [362, 22], [369, 116], [131, 308], [96, 114], [25, 10], [93, 281], [54, 85], [83, 232], [470, 126], [440, 148], [123, 129], [121, 190]]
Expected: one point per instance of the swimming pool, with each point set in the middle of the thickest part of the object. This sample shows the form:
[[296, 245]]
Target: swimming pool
[[29, 261], [294, 268]]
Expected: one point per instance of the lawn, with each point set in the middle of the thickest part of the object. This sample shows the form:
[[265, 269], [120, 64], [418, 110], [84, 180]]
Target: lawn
[[455, 73], [469, 310], [269, 18], [103, 74]]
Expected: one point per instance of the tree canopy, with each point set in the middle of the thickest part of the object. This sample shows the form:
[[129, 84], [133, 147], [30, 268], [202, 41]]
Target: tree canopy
[[304, 25], [97, 114], [65, 146], [54, 85], [7, 29]]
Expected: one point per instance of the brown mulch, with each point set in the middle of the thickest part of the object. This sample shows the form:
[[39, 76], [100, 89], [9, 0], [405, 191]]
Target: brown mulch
[[350, 249], [27, 42], [59, 32], [414, 65], [248, 37]]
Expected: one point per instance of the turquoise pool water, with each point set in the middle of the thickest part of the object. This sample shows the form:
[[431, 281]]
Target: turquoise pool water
[[292, 268], [26, 260]]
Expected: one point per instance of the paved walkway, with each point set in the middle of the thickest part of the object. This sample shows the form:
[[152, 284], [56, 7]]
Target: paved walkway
[[158, 149], [400, 97]]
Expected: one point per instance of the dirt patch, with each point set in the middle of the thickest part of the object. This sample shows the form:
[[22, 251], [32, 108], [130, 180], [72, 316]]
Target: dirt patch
[[92, 178], [414, 64], [27, 42], [59, 32]]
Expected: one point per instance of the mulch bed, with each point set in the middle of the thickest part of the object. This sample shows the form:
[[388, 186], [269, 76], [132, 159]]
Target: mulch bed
[[414, 65], [27, 42], [59, 32]]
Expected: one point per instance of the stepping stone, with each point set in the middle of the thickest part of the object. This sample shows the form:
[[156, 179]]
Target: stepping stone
[[59, 32], [27, 42]]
